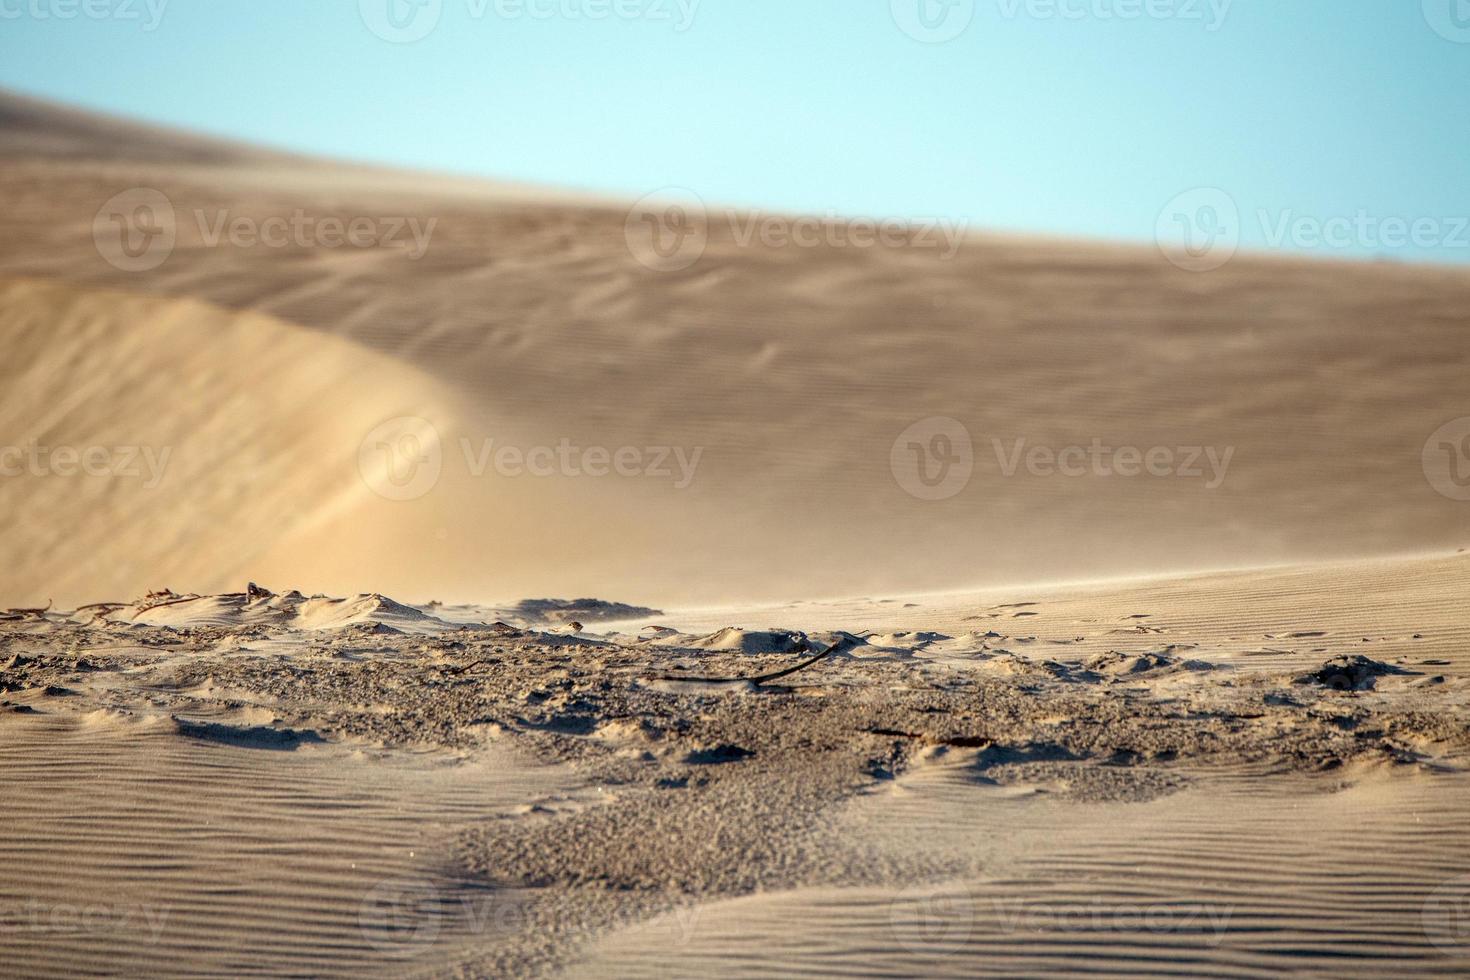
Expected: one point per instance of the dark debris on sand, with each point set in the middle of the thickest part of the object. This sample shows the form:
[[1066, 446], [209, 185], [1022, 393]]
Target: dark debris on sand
[[1349, 673], [718, 792]]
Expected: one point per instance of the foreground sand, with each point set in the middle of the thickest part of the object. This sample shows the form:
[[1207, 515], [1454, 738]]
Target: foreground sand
[[1149, 776]]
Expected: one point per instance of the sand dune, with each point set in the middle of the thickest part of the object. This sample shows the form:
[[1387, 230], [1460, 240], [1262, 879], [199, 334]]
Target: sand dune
[[791, 373], [33, 129], [216, 436], [827, 713], [274, 784]]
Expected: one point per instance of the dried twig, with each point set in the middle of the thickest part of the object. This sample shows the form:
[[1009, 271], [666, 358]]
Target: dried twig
[[458, 670], [757, 678], [15, 615]]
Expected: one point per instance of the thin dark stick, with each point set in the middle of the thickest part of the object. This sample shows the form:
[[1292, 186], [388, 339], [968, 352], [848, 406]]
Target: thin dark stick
[[755, 679]]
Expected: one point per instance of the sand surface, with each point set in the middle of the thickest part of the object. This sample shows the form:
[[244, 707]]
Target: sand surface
[[1047, 725], [791, 372], [293, 784]]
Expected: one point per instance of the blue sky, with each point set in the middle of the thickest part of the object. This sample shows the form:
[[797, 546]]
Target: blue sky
[[1078, 117]]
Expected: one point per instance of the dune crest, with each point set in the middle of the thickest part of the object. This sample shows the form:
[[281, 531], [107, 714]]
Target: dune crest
[[172, 441]]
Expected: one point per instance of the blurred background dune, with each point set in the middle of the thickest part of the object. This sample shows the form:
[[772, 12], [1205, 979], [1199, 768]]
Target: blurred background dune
[[787, 373]]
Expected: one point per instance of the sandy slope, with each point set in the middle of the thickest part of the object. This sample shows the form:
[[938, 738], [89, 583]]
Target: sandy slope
[[793, 371], [1276, 618], [236, 848], [239, 446], [270, 783], [223, 434], [1240, 878], [1152, 774]]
